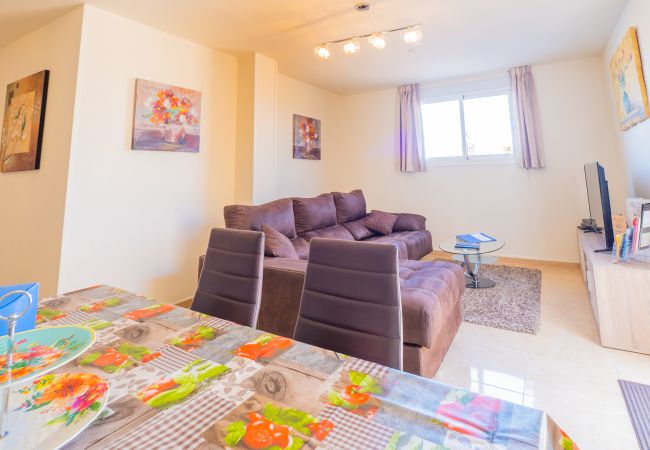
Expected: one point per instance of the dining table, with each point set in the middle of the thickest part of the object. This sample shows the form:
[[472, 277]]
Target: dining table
[[179, 379]]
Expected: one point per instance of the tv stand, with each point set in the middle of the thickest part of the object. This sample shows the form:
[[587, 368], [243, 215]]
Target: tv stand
[[619, 295]]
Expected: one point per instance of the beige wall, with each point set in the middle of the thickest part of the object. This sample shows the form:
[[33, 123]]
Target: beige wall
[[140, 219], [245, 126], [32, 202], [299, 177], [635, 143], [535, 212]]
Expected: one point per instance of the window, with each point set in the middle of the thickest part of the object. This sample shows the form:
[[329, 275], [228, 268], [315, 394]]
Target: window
[[473, 126]]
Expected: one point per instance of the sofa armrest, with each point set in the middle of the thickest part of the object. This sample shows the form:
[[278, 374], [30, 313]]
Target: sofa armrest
[[281, 291]]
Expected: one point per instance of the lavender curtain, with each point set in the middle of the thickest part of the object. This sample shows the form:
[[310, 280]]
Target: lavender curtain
[[411, 138], [528, 128]]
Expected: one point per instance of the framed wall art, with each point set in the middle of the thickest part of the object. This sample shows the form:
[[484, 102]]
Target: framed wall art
[[629, 82], [22, 127], [306, 137], [166, 118]]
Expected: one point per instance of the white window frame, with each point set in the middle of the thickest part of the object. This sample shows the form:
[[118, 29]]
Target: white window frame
[[466, 159]]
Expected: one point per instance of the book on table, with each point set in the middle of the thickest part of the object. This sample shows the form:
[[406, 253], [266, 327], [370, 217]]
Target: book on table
[[475, 238], [467, 245]]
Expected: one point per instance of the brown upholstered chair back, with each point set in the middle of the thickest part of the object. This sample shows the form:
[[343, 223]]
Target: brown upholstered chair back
[[351, 301], [230, 284]]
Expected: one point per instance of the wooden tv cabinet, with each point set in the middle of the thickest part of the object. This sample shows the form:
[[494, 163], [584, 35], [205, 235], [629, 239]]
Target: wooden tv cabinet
[[619, 295]]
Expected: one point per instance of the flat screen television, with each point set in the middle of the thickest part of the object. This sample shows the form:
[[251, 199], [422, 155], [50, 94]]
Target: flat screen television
[[599, 206]]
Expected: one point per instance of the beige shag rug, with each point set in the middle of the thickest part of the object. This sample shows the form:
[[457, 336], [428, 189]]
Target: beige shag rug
[[513, 304]]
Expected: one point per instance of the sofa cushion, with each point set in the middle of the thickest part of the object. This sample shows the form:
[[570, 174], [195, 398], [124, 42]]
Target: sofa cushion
[[409, 222], [358, 229], [301, 246], [430, 292], [381, 222], [314, 213], [335, 232], [410, 244], [277, 244], [349, 206], [277, 214]]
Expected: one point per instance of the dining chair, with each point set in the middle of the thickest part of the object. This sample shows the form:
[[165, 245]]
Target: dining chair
[[230, 284], [351, 301]]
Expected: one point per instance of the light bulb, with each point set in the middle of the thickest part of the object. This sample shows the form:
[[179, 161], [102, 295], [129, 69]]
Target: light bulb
[[377, 40], [351, 47], [413, 36], [322, 51]]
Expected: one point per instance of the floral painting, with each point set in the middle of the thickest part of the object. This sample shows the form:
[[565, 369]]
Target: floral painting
[[166, 118], [306, 137], [629, 84], [22, 129]]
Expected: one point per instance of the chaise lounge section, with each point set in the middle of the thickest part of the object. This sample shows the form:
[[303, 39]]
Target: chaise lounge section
[[430, 290]]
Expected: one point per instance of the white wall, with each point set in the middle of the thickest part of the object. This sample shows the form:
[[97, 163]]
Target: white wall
[[264, 156], [32, 202], [140, 219], [635, 142], [301, 177], [535, 211]]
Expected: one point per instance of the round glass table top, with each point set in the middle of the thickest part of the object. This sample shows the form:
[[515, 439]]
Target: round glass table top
[[486, 247]]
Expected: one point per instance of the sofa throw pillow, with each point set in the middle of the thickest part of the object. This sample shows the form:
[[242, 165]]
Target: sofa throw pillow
[[409, 222], [314, 213], [301, 246], [381, 222], [277, 244], [359, 230], [349, 206]]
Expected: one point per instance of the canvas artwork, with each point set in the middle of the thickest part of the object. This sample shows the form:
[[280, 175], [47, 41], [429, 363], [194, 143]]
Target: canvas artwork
[[166, 118], [306, 137], [629, 84], [22, 129]]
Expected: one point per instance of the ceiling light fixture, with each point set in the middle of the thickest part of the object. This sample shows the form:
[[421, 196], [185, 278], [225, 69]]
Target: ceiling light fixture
[[413, 36], [322, 51], [351, 46], [377, 39]]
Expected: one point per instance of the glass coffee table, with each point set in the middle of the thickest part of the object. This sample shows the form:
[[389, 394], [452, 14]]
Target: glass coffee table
[[472, 260]]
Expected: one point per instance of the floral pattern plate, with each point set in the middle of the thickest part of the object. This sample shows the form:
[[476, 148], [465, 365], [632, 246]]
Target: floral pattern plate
[[41, 350], [51, 410]]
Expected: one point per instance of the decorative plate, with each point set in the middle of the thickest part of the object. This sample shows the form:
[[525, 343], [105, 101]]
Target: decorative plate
[[41, 350], [52, 410]]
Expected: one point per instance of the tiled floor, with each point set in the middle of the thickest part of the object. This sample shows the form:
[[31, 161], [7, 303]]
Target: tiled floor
[[562, 370]]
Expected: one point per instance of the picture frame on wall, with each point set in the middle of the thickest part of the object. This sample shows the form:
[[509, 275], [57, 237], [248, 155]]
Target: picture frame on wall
[[306, 138], [23, 123], [166, 118], [629, 82]]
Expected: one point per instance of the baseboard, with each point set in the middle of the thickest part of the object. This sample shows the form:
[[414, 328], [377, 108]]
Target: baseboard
[[438, 254]]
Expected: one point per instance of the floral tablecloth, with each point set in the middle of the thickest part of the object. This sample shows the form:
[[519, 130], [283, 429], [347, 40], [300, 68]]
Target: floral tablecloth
[[180, 379]]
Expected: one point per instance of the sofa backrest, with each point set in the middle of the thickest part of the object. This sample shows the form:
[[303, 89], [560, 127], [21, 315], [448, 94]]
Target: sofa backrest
[[300, 216], [350, 206], [277, 214], [314, 213]]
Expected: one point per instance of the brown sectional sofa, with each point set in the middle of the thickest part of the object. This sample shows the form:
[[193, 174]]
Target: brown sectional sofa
[[430, 290]]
